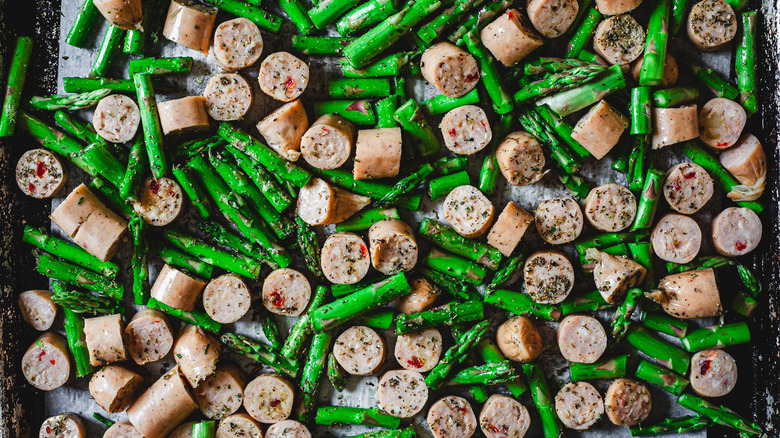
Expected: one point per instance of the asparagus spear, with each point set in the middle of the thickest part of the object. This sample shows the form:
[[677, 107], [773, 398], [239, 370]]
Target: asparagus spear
[[223, 236], [325, 12], [436, 27], [660, 376], [622, 318], [83, 85], [640, 110], [109, 48], [372, 189], [201, 319], [611, 368], [746, 64], [264, 155], [490, 353], [192, 188], [204, 429], [569, 101], [83, 302], [589, 302], [510, 265], [639, 162], [150, 121], [390, 65], [83, 24], [677, 16], [13, 90], [544, 65], [381, 319], [111, 195], [358, 88], [235, 263], [441, 104], [407, 432], [716, 337], [68, 101], [744, 304], [448, 314], [478, 19], [488, 175], [491, 80], [654, 61], [313, 370], [319, 45], [456, 354], [663, 352], [707, 77], [105, 421], [293, 345], [443, 185], [648, 200], [160, 66], [136, 167], [309, 246], [77, 344], [446, 238], [408, 183], [455, 266], [385, 109], [719, 415], [138, 261], [454, 286], [562, 129], [359, 112], [336, 374], [367, 14], [330, 415], [488, 374], [413, 121], [538, 127], [563, 80], [584, 33], [669, 97], [296, 11], [262, 353], [664, 324], [543, 400], [68, 252], [521, 304], [182, 260], [609, 239], [342, 290], [78, 276], [366, 218], [262, 178], [685, 424], [264, 20]]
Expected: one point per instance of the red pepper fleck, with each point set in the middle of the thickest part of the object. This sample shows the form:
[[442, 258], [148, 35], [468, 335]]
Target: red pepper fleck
[[492, 428], [53, 362], [40, 170], [289, 83], [31, 187], [705, 367], [452, 132], [471, 77], [740, 246], [48, 429], [363, 251], [415, 361], [154, 186], [677, 185], [690, 174], [277, 299], [510, 14], [41, 354], [462, 409], [722, 144], [275, 402]]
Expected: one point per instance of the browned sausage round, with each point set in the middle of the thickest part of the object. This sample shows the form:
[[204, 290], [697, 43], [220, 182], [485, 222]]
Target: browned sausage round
[[196, 353], [40, 173], [269, 398], [552, 17], [581, 339], [283, 129], [747, 162], [503, 417], [423, 295], [599, 130], [319, 203], [286, 292], [548, 277], [360, 350], [190, 23], [692, 294], [674, 125], [184, 115], [126, 430], [148, 337], [37, 309], [124, 14], [579, 405], [676, 238], [671, 71], [227, 298], [615, 7], [520, 159], [237, 44], [239, 425], [116, 118], [450, 69], [344, 258], [469, 211], [711, 25], [114, 387], [419, 351], [688, 187], [619, 39], [63, 426], [182, 430], [378, 153], [402, 393], [393, 246], [177, 289], [627, 402], [614, 275], [452, 417], [283, 76], [466, 129], [327, 144], [103, 335], [287, 429], [558, 220], [228, 96], [713, 373], [161, 201], [510, 37], [519, 340], [736, 231], [610, 207], [222, 393], [46, 364], [163, 406], [509, 228], [721, 122]]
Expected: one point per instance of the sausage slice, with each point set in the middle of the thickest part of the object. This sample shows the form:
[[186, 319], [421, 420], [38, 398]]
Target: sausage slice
[[239, 425], [692, 294], [674, 125], [228, 95], [466, 130], [321, 204], [160, 202], [615, 7], [627, 402], [619, 39], [126, 430], [676, 238], [287, 429], [736, 231], [503, 416], [721, 122], [610, 207], [452, 417], [269, 398], [63, 426], [148, 337], [548, 277], [124, 14], [393, 246], [196, 354], [46, 364], [182, 430], [163, 406], [614, 275], [468, 211], [419, 351], [509, 228], [184, 115], [422, 297], [581, 339], [114, 387], [558, 220], [237, 44], [746, 161], [360, 350], [450, 69], [283, 129], [600, 129], [402, 393], [711, 25], [283, 76], [286, 292], [510, 37], [579, 405], [222, 393], [713, 373], [377, 153], [345, 258], [37, 309], [688, 187], [116, 118], [552, 17], [519, 340], [189, 24], [327, 144], [104, 339], [520, 159], [40, 174], [177, 289], [227, 299]]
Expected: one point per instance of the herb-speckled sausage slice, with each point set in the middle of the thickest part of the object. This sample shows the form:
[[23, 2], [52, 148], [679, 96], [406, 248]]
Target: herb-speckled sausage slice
[[185, 115], [177, 289], [227, 299], [37, 309], [116, 118], [239, 425], [746, 160], [46, 364], [286, 292], [721, 122], [103, 335], [114, 387], [676, 238], [161, 201], [627, 402], [619, 39], [269, 398], [466, 129], [615, 7], [711, 25], [579, 405], [736, 231], [316, 202], [228, 96], [182, 431], [452, 417], [163, 406], [378, 153], [283, 76], [148, 337], [190, 24], [520, 159], [558, 220], [600, 129], [468, 211], [40, 174], [222, 393], [422, 297], [63, 426], [509, 228], [503, 417], [548, 277], [688, 187], [402, 393], [510, 37], [237, 44], [450, 69], [713, 373], [360, 350], [393, 246], [692, 294], [674, 125], [419, 351], [552, 17], [581, 339], [126, 430], [327, 144], [519, 340], [614, 275], [288, 429], [345, 258], [196, 353], [610, 207], [283, 129]]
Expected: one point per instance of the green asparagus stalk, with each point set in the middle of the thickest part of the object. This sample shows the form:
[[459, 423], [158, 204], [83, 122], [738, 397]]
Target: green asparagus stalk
[[309, 246], [611, 368], [609, 239], [543, 400], [105, 421], [408, 183], [716, 337], [399, 87], [450, 165], [407, 432], [661, 351], [381, 319], [678, 16], [372, 189], [436, 27], [620, 161], [707, 77], [521, 304], [663, 377], [456, 355], [336, 374], [68, 101], [83, 131], [675, 96], [672, 425], [68, 251], [263, 180], [161, 66], [385, 109], [746, 63], [488, 374], [533, 123], [443, 185], [313, 370], [488, 175], [455, 266], [510, 265], [440, 104], [297, 13], [546, 65], [589, 302], [99, 157], [699, 263], [638, 162], [621, 320], [193, 190], [366, 218], [344, 309], [491, 80], [326, 12], [719, 415], [243, 345], [413, 121], [447, 239], [454, 286], [649, 200], [562, 129], [367, 14], [83, 302], [235, 263], [330, 415], [564, 80], [15, 84], [136, 166], [358, 88], [342, 290], [200, 319], [491, 354], [78, 276], [569, 101], [182, 260], [664, 324], [264, 20], [141, 290], [640, 110], [85, 85], [448, 314], [204, 429], [390, 65], [77, 344], [654, 61], [744, 304], [584, 33], [478, 19], [150, 121], [109, 49], [111, 195], [82, 25], [359, 112]]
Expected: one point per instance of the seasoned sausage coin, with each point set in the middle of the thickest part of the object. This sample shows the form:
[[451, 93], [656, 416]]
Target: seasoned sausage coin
[[548, 277], [469, 211], [228, 96], [711, 25], [423, 295], [116, 118], [721, 122], [452, 417], [627, 402], [558, 220], [46, 364], [114, 387], [579, 405], [269, 398], [327, 144], [63, 426], [466, 129], [450, 69], [581, 339], [286, 292], [160, 202], [283, 76], [736, 231], [222, 393], [510, 37], [419, 351], [619, 39], [40, 173], [287, 429], [283, 129], [237, 44], [344, 258], [552, 17], [519, 340], [688, 187], [610, 207], [402, 393], [520, 159], [692, 294], [676, 238], [148, 337], [503, 417], [393, 246], [713, 373], [37, 309], [359, 350], [226, 299]]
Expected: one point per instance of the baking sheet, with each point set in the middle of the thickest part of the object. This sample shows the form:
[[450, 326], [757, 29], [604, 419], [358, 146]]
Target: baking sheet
[[361, 392]]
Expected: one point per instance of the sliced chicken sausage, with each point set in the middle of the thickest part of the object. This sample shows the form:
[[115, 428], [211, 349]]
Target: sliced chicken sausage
[[509, 228], [548, 277], [552, 17], [713, 373], [222, 393], [163, 406], [161, 201], [189, 24], [177, 289], [402, 393], [319, 203], [360, 350], [558, 220], [614, 275], [239, 425], [228, 96], [721, 122], [711, 25], [466, 130], [419, 351], [736, 231], [619, 39], [114, 387], [284, 128], [692, 294], [46, 364], [519, 340], [503, 417], [126, 430], [627, 402], [237, 44], [393, 246], [344, 258], [184, 115], [452, 417], [327, 144], [581, 339], [747, 162], [227, 299], [148, 337], [450, 69], [423, 295], [269, 398], [674, 125], [676, 238], [520, 159], [182, 430], [600, 129], [63, 426], [688, 188], [579, 405], [468, 211], [124, 14], [510, 37], [286, 292], [40, 174], [610, 207], [378, 153], [116, 118], [615, 7], [37, 309], [196, 353], [103, 335], [283, 76], [287, 429]]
